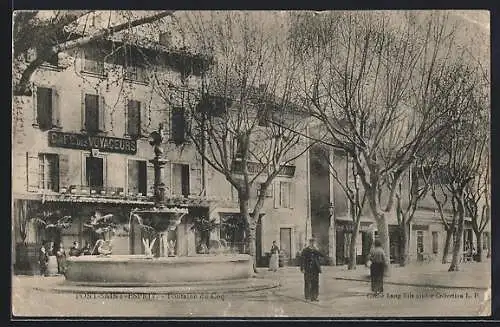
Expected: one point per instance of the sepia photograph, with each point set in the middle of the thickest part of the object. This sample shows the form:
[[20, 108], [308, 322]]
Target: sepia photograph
[[257, 164]]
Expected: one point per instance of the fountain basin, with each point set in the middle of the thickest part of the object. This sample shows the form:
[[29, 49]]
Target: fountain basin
[[140, 270]]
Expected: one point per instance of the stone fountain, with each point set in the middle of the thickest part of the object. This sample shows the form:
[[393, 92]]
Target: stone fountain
[[165, 268]]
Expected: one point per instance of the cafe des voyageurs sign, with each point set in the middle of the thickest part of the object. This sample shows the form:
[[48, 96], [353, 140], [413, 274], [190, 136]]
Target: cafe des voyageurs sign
[[88, 142]]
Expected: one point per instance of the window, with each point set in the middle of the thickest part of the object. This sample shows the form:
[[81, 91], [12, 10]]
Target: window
[[179, 125], [93, 113], [284, 194], [94, 171], [180, 179], [137, 179], [49, 171], [93, 61], [134, 118], [136, 73], [46, 113], [420, 241], [435, 242], [263, 115], [269, 190]]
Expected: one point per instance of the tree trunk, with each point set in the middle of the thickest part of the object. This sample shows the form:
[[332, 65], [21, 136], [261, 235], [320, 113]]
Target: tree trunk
[[383, 233], [251, 244], [479, 244], [251, 223], [457, 247], [446, 249], [352, 247], [405, 244], [380, 219]]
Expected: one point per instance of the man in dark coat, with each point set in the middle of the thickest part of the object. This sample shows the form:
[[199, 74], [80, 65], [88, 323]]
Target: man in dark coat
[[43, 259], [311, 267]]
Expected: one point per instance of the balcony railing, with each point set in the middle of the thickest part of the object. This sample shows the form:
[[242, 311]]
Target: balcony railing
[[101, 191], [256, 168]]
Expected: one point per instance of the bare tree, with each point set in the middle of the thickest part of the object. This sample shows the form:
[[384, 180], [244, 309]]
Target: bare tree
[[242, 115], [464, 148], [367, 78], [44, 34], [478, 205]]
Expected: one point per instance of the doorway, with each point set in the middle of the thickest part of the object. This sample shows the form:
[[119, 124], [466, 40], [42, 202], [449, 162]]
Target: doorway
[[286, 243]]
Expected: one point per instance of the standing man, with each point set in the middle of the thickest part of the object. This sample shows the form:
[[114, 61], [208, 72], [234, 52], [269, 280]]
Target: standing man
[[43, 259], [311, 267]]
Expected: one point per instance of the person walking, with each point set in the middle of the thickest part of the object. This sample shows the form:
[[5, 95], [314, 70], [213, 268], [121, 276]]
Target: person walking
[[43, 259], [274, 259], [377, 267], [310, 266]]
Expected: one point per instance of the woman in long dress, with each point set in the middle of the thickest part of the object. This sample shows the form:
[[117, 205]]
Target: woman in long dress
[[274, 260], [61, 259], [377, 267]]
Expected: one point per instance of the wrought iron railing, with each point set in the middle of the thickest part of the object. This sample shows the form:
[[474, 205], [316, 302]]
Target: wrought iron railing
[[95, 191]]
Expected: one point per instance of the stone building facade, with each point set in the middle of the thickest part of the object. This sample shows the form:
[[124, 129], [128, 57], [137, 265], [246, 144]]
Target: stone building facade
[[80, 148]]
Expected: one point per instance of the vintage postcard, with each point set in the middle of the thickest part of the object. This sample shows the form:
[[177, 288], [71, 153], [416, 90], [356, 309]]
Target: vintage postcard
[[251, 164]]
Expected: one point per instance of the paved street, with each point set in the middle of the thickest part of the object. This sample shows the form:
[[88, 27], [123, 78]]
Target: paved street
[[338, 298]]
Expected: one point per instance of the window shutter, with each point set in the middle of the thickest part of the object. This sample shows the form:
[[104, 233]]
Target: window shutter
[[195, 181], [150, 175], [32, 171], [34, 99], [277, 189], [292, 194], [44, 103], [102, 114], [126, 101], [56, 115], [64, 173], [83, 110], [143, 118]]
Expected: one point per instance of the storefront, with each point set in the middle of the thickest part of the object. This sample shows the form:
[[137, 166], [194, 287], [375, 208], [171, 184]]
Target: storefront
[[344, 230]]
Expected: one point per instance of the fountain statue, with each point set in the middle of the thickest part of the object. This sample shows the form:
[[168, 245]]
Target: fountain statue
[[156, 268]]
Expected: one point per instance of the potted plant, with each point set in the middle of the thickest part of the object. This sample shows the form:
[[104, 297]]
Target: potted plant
[[204, 226]]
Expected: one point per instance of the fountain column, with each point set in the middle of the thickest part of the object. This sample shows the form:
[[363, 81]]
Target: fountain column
[[156, 139]]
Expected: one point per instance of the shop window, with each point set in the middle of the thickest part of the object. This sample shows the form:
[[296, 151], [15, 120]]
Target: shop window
[[137, 178], [134, 118], [180, 179], [435, 242], [49, 171]]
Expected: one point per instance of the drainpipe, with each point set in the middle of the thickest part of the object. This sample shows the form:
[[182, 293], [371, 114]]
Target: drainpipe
[[308, 233]]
